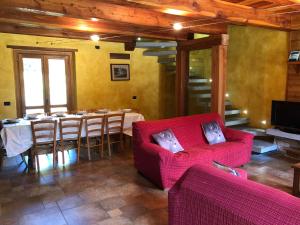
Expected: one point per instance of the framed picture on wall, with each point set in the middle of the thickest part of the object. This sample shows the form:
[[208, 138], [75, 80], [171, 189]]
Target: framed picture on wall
[[119, 72]]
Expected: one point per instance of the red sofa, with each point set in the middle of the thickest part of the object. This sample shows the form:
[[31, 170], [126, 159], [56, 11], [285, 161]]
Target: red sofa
[[164, 168], [206, 196]]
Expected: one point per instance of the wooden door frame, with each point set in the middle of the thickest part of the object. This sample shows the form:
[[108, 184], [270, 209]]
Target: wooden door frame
[[71, 79], [219, 45]]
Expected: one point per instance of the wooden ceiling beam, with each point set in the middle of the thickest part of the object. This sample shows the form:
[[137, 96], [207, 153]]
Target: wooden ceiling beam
[[87, 9], [59, 33], [13, 16], [231, 12]]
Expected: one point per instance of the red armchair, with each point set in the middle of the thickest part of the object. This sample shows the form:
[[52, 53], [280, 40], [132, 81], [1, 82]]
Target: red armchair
[[164, 168], [207, 195]]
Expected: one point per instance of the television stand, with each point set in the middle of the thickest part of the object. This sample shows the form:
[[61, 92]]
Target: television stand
[[288, 130], [282, 134], [289, 143]]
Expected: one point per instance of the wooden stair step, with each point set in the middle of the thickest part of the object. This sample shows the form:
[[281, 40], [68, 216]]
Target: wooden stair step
[[232, 112], [159, 53], [236, 121], [149, 44], [198, 80]]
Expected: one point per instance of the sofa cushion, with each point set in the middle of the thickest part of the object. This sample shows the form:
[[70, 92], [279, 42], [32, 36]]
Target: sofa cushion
[[213, 132], [228, 153], [187, 129], [167, 140]]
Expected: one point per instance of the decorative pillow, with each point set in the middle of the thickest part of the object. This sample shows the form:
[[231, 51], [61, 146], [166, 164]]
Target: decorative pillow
[[167, 140], [213, 132], [227, 169]]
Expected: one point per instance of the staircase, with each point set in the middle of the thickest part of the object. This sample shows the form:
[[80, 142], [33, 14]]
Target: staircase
[[199, 89]]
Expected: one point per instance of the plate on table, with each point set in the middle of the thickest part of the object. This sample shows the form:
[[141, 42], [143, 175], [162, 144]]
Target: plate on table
[[31, 116], [46, 118], [81, 113], [101, 111], [126, 110], [60, 114], [10, 121]]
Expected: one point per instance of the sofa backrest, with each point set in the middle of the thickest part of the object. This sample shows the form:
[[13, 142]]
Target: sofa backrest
[[187, 129], [215, 197]]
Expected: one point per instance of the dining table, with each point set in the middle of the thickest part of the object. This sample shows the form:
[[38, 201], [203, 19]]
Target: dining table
[[17, 137]]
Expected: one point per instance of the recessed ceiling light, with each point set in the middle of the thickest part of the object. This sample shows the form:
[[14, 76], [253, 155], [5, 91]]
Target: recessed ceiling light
[[139, 39], [175, 12], [94, 19], [177, 26], [83, 27], [95, 37], [264, 122]]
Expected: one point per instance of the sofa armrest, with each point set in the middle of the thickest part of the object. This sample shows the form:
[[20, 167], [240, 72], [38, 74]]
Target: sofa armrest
[[237, 135], [155, 150]]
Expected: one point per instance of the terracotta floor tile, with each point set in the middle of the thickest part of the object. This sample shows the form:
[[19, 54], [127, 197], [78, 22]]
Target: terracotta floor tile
[[85, 214], [104, 191], [155, 217], [48, 216], [23, 206], [112, 203], [116, 221], [133, 211], [114, 213], [70, 202]]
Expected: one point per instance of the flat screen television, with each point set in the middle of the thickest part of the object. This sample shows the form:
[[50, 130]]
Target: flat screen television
[[286, 116]]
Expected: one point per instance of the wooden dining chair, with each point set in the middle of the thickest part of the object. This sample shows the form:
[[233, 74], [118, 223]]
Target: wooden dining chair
[[114, 128], [94, 129], [44, 139], [70, 135]]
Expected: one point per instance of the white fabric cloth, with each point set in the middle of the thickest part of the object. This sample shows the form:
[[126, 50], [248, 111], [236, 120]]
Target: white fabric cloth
[[17, 138]]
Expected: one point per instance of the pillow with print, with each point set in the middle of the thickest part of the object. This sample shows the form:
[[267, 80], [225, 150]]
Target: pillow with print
[[213, 133], [167, 140]]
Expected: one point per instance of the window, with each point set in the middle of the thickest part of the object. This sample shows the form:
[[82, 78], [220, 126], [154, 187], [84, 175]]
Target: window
[[45, 82]]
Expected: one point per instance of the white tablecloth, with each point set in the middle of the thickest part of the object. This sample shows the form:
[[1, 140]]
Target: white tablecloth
[[17, 138]]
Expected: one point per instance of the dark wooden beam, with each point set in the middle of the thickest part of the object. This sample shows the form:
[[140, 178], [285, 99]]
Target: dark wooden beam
[[231, 12], [130, 46], [182, 68], [204, 43], [13, 16], [87, 9], [218, 44], [219, 74], [58, 33]]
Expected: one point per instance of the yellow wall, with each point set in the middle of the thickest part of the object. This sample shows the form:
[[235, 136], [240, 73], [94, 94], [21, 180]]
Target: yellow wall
[[257, 70], [94, 86]]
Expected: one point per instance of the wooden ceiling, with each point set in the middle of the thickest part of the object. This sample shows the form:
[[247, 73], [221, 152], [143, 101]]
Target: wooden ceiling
[[125, 20]]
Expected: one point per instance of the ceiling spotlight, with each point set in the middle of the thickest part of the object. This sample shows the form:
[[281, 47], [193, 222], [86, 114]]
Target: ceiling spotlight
[[94, 19], [210, 80], [175, 12], [264, 122], [245, 111], [139, 39], [95, 37], [83, 27], [177, 26], [226, 95]]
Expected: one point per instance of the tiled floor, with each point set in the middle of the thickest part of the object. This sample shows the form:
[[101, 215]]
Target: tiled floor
[[102, 192]]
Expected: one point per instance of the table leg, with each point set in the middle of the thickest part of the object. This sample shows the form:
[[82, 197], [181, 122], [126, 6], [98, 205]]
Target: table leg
[[296, 182]]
